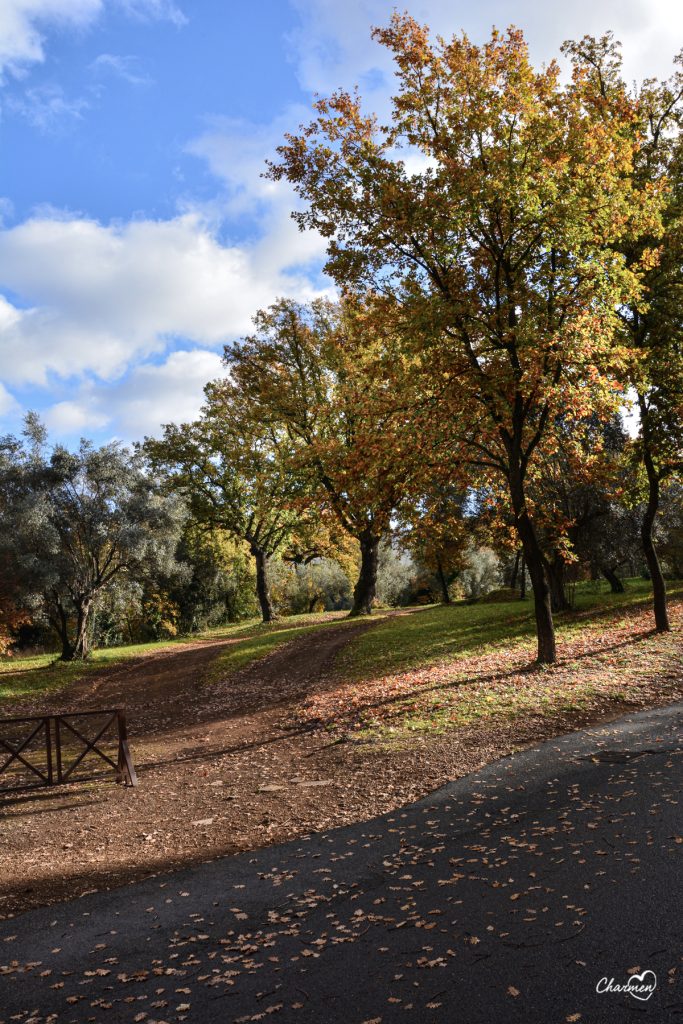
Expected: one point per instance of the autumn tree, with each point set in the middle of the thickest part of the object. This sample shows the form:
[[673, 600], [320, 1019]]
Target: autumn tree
[[74, 524], [578, 494], [499, 246], [652, 317], [324, 379], [434, 529], [228, 468]]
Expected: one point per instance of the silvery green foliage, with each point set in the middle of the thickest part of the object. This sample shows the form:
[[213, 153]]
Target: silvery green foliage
[[481, 573], [396, 572], [74, 523], [669, 529], [318, 584]]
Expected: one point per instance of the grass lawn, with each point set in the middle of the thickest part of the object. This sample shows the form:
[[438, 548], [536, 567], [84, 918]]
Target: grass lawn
[[438, 633], [444, 667], [438, 667]]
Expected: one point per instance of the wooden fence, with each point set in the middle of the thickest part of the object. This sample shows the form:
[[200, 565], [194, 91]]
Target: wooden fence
[[52, 748]]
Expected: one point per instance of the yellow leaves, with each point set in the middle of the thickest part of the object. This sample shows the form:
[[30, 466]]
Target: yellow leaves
[[649, 259]]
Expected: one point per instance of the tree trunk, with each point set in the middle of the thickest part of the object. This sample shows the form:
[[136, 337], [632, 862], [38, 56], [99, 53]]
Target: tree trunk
[[555, 573], [60, 623], [616, 586], [515, 571], [654, 568], [522, 579], [533, 556], [67, 646], [262, 588], [545, 630], [80, 647], [364, 591], [442, 580]]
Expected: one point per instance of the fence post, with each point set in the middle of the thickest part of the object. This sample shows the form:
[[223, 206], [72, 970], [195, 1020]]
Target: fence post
[[58, 747], [125, 769], [48, 750]]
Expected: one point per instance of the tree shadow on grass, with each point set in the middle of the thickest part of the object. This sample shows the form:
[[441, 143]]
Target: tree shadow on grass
[[494, 677]]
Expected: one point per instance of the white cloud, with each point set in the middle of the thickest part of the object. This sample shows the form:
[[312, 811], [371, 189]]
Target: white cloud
[[332, 47], [121, 66], [21, 22], [97, 302], [154, 10], [156, 394], [236, 152], [47, 107], [8, 403], [6, 209], [139, 404], [73, 417], [100, 298]]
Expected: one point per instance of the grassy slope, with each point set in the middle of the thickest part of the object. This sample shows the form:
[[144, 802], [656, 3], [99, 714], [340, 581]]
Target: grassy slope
[[444, 667], [440, 633], [447, 642]]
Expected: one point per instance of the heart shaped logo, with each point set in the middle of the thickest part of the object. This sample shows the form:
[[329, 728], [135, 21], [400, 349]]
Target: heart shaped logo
[[640, 986], [645, 983]]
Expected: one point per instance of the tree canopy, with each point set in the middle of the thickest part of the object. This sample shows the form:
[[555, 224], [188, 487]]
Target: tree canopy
[[325, 379], [502, 247]]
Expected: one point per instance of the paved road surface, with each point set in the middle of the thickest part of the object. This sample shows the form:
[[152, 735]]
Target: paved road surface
[[505, 897]]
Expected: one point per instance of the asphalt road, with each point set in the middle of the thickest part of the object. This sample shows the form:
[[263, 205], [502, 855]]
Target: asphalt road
[[507, 896]]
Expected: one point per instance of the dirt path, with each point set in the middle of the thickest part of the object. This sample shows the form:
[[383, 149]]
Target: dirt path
[[213, 760], [145, 685]]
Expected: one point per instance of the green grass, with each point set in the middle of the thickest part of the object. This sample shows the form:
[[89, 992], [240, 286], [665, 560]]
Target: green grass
[[22, 678], [439, 633], [385, 696], [30, 676], [26, 676]]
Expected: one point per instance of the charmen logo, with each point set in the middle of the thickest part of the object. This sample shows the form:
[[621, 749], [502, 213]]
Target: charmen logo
[[640, 986]]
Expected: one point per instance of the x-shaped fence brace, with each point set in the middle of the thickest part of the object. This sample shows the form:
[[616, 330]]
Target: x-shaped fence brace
[[58, 772], [15, 752]]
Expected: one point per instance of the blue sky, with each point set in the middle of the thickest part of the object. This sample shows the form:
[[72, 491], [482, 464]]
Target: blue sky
[[136, 234]]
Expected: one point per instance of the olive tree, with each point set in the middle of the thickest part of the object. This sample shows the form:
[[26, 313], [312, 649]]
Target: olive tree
[[75, 523]]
